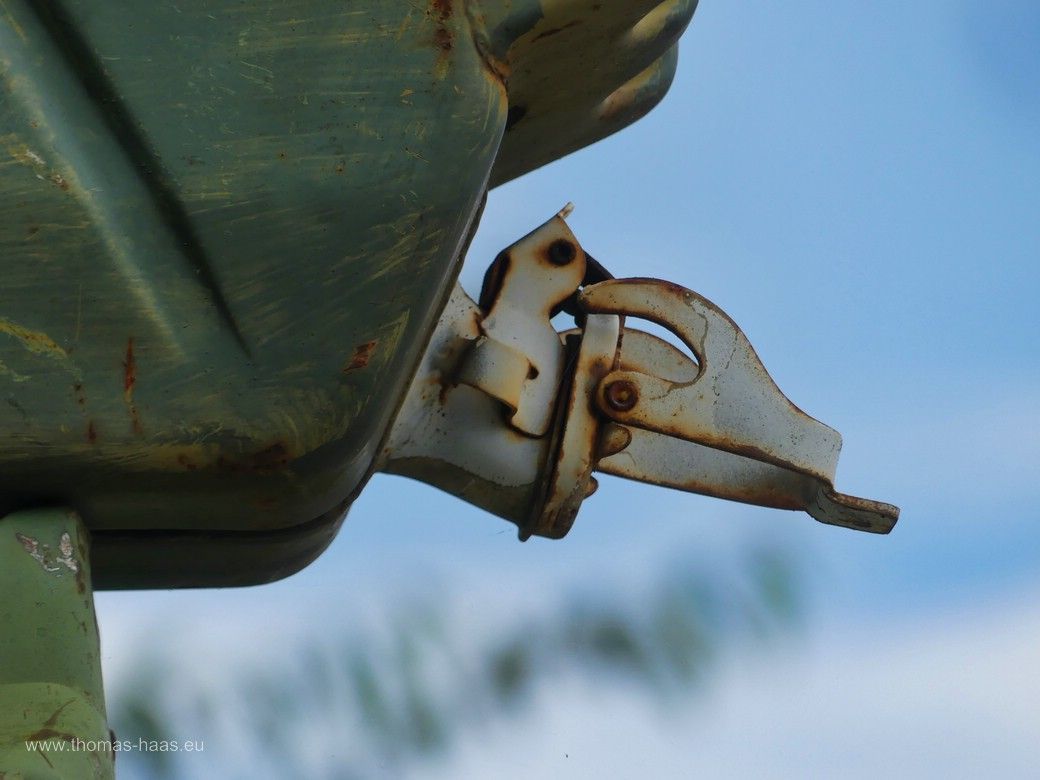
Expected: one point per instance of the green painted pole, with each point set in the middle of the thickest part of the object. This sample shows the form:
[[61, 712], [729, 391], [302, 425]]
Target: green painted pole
[[52, 706]]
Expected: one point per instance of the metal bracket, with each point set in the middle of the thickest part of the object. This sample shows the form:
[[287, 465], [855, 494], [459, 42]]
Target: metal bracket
[[518, 358], [515, 417], [728, 430]]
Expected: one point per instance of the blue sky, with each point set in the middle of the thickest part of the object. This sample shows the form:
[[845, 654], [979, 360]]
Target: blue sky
[[858, 186]]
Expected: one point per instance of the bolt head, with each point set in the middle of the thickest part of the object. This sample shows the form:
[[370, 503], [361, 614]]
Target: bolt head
[[621, 395]]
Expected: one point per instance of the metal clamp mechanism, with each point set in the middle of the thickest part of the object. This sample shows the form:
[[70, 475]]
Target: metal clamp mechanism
[[720, 425], [514, 417]]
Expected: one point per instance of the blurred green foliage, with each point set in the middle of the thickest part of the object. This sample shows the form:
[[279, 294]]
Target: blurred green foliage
[[375, 700]]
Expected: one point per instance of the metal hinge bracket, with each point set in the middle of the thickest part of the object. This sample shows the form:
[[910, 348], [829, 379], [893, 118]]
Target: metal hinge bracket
[[515, 417]]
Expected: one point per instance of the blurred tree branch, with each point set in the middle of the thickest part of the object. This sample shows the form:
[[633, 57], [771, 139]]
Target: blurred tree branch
[[379, 701]]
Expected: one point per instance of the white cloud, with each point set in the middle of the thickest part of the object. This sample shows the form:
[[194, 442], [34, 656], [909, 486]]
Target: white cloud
[[954, 696], [951, 694]]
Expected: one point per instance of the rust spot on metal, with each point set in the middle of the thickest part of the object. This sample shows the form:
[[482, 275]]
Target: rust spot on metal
[[498, 69], [129, 370], [91, 432], [362, 355], [621, 396], [441, 11], [768, 495], [184, 461], [561, 252], [129, 381], [274, 457], [445, 388], [77, 390], [34, 341], [443, 38], [268, 460]]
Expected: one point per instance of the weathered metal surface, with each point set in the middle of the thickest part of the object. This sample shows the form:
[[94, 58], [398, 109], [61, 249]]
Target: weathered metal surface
[[455, 436], [732, 405], [626, 403], [482, 419], [228, 229], [578, 71], [46, 716], [570, 465], [50, 662], [518, 358]]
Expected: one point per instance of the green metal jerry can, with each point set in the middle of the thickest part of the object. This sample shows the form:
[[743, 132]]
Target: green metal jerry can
[[229, 236], [227, 230]]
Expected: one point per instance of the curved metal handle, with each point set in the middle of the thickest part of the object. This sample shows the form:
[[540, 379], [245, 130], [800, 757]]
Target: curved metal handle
[[729, 431]]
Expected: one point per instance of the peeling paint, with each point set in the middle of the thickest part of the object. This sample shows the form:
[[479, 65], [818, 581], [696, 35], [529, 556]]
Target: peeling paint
[[362, 354], [24, 155], [129, 371], [129, 382], [50, 561], [33, 340]]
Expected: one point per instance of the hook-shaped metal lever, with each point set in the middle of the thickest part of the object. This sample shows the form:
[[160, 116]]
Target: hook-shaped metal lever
[[726, 429], [514, 417]]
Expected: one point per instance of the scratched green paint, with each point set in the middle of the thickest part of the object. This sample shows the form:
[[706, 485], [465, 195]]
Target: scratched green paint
[[50, 659], [227, 228]]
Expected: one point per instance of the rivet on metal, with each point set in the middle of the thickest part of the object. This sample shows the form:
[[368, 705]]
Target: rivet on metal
[[562, 252], [621, 396]]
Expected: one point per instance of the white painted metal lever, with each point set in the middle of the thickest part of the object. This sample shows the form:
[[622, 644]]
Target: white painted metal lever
[[727, 430], [514, 417]]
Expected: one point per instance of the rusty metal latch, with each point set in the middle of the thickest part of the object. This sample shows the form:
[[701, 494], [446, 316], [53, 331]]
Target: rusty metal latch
[[724, 429], [515, 417]]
